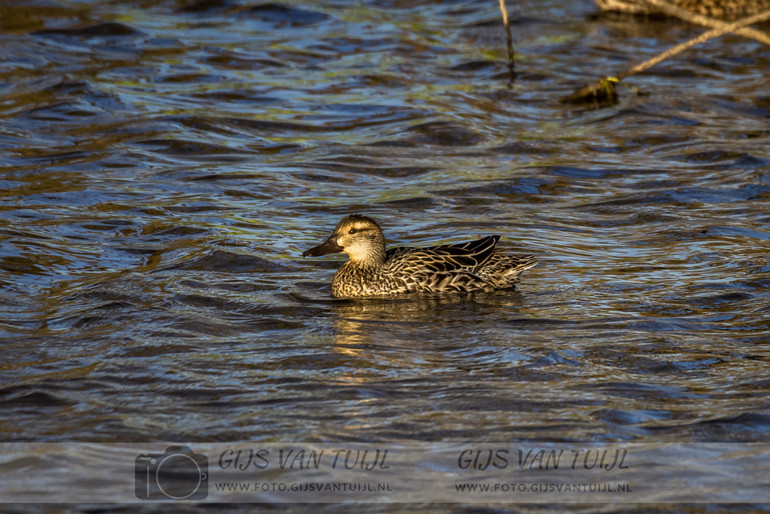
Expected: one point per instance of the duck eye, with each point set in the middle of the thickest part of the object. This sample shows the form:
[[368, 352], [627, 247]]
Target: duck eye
[[352, 231]]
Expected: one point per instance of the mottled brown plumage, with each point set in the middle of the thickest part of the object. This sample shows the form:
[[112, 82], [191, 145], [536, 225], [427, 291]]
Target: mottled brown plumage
[[372, 271]]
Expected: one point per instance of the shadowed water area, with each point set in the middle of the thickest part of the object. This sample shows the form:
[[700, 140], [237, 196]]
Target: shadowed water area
[[165, 163]]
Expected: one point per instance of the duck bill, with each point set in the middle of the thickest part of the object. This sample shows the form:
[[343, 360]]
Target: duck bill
[[328, 246]]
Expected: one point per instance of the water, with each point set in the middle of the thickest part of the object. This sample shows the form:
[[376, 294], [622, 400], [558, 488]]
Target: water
[[164, 165]]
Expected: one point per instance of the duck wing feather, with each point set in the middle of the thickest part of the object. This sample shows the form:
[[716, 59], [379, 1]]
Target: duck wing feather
[[463, 257]]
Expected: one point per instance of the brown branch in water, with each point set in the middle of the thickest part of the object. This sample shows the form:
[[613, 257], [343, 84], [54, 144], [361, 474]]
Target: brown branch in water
[[724, 29], [511, 63], [604, 90], [698, 19]]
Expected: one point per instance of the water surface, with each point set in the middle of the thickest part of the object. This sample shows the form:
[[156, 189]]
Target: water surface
[[164, 164]]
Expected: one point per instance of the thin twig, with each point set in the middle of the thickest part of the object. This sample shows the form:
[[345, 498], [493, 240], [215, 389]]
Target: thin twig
[[724, 29], [604, 90], [511, 64], [678, 12]]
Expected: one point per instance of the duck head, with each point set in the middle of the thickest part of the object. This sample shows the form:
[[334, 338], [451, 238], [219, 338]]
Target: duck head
[[358, 236]]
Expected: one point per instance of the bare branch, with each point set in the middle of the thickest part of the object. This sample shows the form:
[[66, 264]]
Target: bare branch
[[511, 64]]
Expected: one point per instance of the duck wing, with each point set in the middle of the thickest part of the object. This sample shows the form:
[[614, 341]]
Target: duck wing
[[463, 257]]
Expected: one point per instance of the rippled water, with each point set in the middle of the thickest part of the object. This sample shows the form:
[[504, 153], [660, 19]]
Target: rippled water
[[165, 163]]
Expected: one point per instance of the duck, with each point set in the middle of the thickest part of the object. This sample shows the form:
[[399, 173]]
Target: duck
[[721, 9], [371, 270]]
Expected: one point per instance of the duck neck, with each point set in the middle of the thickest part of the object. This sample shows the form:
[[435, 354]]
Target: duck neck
[[373, 257]]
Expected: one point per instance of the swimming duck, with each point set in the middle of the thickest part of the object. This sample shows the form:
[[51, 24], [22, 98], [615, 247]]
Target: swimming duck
[[724, 9], [371, 270]]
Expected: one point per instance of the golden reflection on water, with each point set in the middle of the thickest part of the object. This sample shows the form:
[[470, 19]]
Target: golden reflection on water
[[356, 321]]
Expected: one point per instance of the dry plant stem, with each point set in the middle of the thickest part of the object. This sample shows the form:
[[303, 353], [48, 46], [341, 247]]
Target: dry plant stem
[[511, 64], [678, 12], [603, 91], [727, 27]]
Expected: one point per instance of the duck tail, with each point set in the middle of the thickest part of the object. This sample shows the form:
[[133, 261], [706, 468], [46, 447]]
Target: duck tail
[[503, 271]]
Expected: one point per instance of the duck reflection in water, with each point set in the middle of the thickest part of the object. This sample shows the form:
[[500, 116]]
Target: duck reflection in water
[[356, 322]]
